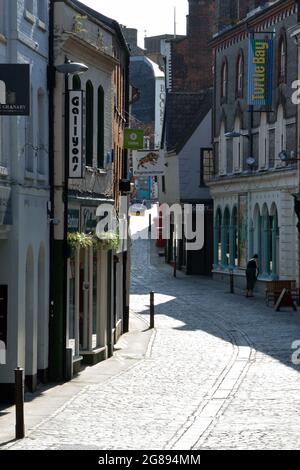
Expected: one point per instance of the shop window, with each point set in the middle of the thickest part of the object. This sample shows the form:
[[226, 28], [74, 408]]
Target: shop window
[[89, 123]]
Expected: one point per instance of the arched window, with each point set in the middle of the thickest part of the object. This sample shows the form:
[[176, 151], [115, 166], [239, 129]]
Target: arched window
[[240, 76], [282, 59], [100, 128], [222, 151], [263, 141], [76, 82], [280, 133], [237, 148], [89, 141], [224, 74]]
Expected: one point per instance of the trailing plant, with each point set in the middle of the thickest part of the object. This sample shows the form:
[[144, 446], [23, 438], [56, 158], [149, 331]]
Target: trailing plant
[[104, 240], [80, 240], [108, 240]]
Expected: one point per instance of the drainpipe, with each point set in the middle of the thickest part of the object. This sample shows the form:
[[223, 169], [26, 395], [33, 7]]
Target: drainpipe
[[51, 86]]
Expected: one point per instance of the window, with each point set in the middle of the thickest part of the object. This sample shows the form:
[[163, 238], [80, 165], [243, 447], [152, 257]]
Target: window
[[237, 148], [41, 10], [2, 17], [222, 151], [29, 5], [100, 128], [263, 144], [89, 140], [224, 80], [282, 59], [29, 145], [76, 82], [280, 134], [240, 76], [206, 166], [41, 133]]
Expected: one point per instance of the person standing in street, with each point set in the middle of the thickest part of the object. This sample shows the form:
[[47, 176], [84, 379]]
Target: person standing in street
[[251, 275]]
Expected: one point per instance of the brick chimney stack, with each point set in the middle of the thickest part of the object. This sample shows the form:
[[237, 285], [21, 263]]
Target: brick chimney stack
[[192, 57]]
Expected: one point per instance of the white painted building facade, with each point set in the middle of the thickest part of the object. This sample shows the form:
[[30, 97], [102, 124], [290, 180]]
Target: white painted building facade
[[24, 195]]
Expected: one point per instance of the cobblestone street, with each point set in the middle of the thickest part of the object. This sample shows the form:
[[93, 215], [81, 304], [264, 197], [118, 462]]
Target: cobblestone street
[[217, 374]]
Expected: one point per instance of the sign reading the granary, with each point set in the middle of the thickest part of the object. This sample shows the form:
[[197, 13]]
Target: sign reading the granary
[[75, 134], [14, 90], [148, 163], [5, 206], [73, 220], [3, 323], [260, 67], [133, 139]]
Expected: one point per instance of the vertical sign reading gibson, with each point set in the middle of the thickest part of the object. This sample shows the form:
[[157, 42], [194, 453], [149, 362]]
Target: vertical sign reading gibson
[[75, 134]]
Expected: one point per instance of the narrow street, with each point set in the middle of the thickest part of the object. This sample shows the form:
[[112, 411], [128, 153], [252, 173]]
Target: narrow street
[[216, 373]]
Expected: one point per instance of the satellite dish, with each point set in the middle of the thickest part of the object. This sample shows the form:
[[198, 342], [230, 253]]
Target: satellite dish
[[250, 161]]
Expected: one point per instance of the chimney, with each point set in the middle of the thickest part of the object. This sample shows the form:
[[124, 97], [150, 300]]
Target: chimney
[[227, 13]]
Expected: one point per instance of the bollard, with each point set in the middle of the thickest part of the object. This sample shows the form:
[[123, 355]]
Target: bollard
[[231, 281], [175, 259], [151, 309], [150, 223], [19, 397]]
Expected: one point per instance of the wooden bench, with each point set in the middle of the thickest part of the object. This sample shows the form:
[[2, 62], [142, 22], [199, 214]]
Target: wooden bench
[[274, 289]]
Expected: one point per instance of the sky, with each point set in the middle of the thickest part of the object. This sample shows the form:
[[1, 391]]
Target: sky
[[153, 16]]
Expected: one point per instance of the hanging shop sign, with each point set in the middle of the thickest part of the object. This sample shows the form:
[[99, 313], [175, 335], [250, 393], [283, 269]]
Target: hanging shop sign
[[134, 139], [14, 89], [75, 134], [5, 206], [260, 72], [148, 163]]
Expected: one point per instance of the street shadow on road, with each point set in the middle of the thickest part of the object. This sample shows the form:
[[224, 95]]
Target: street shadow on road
[[199, 303]]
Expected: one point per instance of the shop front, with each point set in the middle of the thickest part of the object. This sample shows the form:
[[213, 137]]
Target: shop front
[[89, 289]]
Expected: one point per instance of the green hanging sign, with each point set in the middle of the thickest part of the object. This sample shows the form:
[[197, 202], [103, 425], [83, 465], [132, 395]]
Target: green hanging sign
[[134, 139]]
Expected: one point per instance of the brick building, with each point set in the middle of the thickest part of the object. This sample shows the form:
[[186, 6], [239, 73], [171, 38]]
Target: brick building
[[254, 173]]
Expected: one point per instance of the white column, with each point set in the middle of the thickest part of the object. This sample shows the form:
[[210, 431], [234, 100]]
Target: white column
[[103, 301], [85, 299], [90, 310], [77, 300], [98, 307], [68, 303]]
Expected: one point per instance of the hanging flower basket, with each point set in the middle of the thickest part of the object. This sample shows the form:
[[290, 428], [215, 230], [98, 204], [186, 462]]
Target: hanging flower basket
[[103, 241], [107, 240], [80, 240]]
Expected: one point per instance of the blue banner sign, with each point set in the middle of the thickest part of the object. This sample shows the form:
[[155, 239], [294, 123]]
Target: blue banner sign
[[260, 72]]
